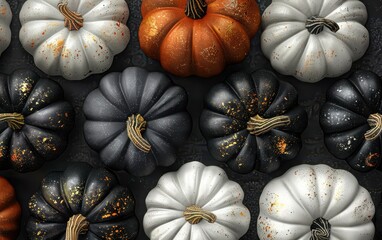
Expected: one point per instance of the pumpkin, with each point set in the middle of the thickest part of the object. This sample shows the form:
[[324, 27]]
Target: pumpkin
[[136, 120], [5, 21], [315, 202], [314, 39], [10, 211], [197, 37], [253, 121], [82, 203], [34, 121], [74, 38], [196, 202], [351, 120]]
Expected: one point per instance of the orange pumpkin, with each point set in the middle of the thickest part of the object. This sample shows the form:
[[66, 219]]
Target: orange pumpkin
[[198, 37], [10, 211]]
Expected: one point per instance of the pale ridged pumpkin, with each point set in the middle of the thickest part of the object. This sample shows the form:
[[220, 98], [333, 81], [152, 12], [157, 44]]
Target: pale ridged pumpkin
[[314, 39], [74, 38], [315, 202], [5, 21], [197, 202]]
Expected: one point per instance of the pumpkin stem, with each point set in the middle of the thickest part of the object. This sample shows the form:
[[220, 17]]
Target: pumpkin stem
[[196, 9], [194, 215], [15, 120], [375, 123], [315, 25], [320, 229], [73, 20], [258, 125], [135, 125], [76, 225]]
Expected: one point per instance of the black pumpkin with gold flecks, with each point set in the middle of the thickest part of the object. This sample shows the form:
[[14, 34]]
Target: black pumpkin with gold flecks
[[351, 120], [82, 203], [34, 121], [253, 121], [136, 120]]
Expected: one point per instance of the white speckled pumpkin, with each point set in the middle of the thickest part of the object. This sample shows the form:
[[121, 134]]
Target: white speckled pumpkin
[[196, 203], [74, 38], [314, 39], [315, 203], [5, 21]]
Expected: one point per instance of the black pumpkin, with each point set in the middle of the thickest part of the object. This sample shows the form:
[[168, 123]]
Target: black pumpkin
[[253, 121], [82, 203], [352, 121], [34, 121], [136, 120]]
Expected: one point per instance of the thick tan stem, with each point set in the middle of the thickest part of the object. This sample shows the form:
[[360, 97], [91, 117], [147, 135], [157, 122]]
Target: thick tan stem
[[135, 125], [194, 215], [15, 120], [196, 9], [258, 125], [375, 123], [76, 225], [73, 20]]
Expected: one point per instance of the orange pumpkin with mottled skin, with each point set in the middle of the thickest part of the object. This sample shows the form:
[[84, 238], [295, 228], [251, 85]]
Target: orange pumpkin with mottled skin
[[10, 211], [198, 37]]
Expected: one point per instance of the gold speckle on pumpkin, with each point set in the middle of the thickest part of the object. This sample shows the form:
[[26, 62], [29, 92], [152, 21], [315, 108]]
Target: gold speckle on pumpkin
[[282, 145], [276, 205], [25, 87], [116, 208], [228, 144], [3, 11], [232, 108], [56, 47], [210, 53], [14, 156], [3, 150], [116, 232], [153, 28], [265, 224]]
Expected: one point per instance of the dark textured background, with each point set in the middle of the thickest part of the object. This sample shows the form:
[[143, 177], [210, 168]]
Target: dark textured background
[[311, 96]]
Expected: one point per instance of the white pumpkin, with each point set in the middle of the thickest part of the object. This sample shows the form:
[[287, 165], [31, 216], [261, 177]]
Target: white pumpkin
[[314, 39], [211, 203], [5, 21], [315, 203], [74, 38]]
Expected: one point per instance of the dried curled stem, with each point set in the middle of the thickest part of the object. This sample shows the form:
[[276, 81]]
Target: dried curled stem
[[15, 120], [315, 25], [320, 229], [194, 215], [135, 125], [76, 225], [196, 9], [375, 123], [73, 20], [258, 125]]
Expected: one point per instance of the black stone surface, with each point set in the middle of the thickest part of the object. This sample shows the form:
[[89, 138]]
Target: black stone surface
[[311, 96]]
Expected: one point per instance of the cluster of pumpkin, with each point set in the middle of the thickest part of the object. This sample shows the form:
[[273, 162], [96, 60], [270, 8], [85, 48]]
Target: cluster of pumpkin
[[136, 119]]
